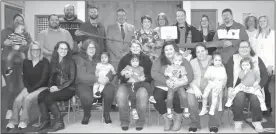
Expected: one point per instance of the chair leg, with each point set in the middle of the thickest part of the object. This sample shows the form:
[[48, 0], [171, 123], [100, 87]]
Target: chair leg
[[248, 110], [69, 106]]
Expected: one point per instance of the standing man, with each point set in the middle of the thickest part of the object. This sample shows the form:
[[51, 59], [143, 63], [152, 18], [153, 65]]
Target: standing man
[[71, 23], [93, 26], [186, 33], [231, 33], [49, 37]]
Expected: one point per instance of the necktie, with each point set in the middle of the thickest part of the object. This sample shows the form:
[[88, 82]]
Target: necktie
[[122, 31]]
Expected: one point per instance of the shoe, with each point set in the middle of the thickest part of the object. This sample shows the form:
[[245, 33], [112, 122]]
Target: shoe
[[170, 116], [152, 100], [22, 125], [10, 126], [45, 116], [107, 119], [192, 130], [238, 126], [213, 129], [177, 123], [8, 72], [9, 114], [186, 113], [258, 127], [211, 112], [203, 112], [228, 104], [135, 115], [98, 94], [95, 101], [139, 128], [85, 120], [125, 128], [263, 107], [168, 123], [59, 124]]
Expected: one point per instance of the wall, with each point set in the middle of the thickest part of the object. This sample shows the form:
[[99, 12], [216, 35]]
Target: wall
[[238, 7], [33, 8], [18, 4]]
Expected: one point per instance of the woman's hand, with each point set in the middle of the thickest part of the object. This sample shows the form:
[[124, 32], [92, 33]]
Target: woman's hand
[[54, 89], [170, 83], [8, 42]]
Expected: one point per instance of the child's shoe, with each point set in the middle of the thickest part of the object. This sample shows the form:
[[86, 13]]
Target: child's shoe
[[151, 99], [186, 113], [135, 114], [8, 72]]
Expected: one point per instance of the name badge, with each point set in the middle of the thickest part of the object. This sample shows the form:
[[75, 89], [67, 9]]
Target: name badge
[[168, 32]]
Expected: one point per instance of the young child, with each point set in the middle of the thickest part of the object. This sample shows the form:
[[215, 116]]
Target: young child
[[217, 78], [250, 79], [176, 72], [102, 69], [136, 81], [18, 40]]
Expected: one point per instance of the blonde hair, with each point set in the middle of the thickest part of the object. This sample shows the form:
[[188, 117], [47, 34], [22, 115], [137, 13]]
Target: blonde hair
[[260, 29], [29, 56]]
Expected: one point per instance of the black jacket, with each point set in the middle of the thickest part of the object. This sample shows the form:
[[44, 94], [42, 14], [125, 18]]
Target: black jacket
[[209, 38]]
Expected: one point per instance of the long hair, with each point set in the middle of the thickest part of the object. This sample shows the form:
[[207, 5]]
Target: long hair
[[247, 19], [200, 26], [29, 55], [163, 59], [260, 29], [252, 52], [163, 16], [85, 44], [66, 59]]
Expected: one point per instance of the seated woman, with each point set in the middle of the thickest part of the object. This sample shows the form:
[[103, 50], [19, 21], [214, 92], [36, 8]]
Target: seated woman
[[86, 65], [35, 79], [60, 87], [162, 84], [197, 87], [233, 68]]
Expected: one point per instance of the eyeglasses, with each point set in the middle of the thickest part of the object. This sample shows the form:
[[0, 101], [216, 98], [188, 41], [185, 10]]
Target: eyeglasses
[[244, 47], [35, 49]]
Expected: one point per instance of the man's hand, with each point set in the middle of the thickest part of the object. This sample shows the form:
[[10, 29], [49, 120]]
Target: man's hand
[[186, 53], [54, 89], [227, 43], [8, 42]]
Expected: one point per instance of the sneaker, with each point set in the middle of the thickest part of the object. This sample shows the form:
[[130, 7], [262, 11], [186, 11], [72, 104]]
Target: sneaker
[[85, 120], [22, 125], [258, 127], [213, 129], [125, 128], [95, 101], [238, 126], [186, 113], [152, 100], [135, 115], [170, 115], [9, 114], [107, 119], [203, 112], [192, 130], [10, 126], [8, 72]]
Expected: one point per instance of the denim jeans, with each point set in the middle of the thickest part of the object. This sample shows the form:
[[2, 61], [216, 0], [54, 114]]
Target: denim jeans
[[214, 120], [238, 106], [24, 100], [122, 98]]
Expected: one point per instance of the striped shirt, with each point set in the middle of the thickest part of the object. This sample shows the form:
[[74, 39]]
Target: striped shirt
[[17, 39]]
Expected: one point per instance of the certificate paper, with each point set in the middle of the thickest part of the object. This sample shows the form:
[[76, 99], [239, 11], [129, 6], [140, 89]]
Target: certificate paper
[[168, 32]]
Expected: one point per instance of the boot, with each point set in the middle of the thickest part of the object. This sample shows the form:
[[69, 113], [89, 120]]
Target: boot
[[59, 124], [168, 123], [45, 117], [177, 122]]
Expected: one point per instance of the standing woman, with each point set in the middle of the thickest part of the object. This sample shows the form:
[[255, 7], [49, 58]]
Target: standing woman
[[206, 33], [35, 79], [161, 20], [251, 27], [60, 87], [265, 49]]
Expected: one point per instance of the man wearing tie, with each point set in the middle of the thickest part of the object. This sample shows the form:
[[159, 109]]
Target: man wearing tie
[[122, 31]]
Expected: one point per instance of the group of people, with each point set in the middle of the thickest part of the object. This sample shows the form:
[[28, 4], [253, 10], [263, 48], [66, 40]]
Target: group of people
[[173, 76]]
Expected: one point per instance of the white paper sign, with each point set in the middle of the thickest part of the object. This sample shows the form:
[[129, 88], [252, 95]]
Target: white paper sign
[[231, 34], [168, 32]]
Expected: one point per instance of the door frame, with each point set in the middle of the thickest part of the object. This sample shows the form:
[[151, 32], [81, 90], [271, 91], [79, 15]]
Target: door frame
[[208, 10], [6, 6]]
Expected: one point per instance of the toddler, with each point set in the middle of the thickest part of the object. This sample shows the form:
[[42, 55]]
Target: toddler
[[176, 72], [250, 79], [217, 78], [136, 81], [18, 40], [102, 69]]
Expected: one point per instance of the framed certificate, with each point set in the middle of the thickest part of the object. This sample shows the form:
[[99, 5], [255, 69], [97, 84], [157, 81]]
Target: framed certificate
[[168, 32]]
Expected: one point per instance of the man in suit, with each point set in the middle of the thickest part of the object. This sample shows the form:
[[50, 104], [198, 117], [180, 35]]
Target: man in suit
[[122, 31]]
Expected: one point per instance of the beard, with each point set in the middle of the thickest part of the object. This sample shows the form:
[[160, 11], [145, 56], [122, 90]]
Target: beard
[[55, 26], [93, 17], [69, 15]]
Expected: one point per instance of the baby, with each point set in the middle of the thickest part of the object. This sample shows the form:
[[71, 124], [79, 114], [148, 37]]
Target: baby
[[217, 78], [18, 40], [250, 79], [102, 69], [136, 81], [176, 72]]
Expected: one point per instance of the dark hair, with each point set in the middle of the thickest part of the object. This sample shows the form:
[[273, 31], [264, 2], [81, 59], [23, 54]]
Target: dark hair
[[85, 45], [163, 59], [200, 27], [247, 59], [135, 41], [107, 54], [146, 17], [201, 44], [49, 17], [121, 10], [134, 56], [181, 10], [252, 52], [55, 57], [227, 10], [162, 15], [213, 56], [247, 19], [16, 15]]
